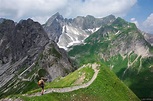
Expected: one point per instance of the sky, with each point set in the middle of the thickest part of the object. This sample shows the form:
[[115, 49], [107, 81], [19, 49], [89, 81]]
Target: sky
[[139, 12]]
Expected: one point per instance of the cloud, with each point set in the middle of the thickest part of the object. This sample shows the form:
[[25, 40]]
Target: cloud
[[133, 20], [22, 9], [39, 9], [99, 8], [149, 21], [148, 24], [40, 19]]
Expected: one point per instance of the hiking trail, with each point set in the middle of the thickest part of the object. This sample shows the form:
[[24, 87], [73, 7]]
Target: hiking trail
[[69, 89]]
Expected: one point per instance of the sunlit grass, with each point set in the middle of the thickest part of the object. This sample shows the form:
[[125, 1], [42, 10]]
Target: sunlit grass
[[106, 87], [69, 80]]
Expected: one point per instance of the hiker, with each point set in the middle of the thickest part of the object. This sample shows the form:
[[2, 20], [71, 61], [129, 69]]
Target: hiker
[[41, 83]]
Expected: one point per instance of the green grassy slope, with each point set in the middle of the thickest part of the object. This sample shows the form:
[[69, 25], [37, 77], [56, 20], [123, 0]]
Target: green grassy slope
[[102, 46], [138, 77], [106, 87]]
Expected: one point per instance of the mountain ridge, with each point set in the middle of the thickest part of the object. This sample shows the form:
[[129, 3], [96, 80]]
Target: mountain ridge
[[104, 86], [69, 32], [123, 48], [26, 54]]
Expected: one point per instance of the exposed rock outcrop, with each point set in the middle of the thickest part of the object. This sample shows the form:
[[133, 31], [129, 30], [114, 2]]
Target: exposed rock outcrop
[[122, 47], [69, 32], [27, 53]]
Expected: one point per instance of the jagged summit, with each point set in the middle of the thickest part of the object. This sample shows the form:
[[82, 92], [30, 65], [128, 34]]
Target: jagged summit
[[69, 32], [111, 16], [20, 45], [53, 26], [26, 53], [55, 17]]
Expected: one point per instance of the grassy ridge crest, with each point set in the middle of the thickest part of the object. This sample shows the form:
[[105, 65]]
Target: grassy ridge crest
[[106, 87]]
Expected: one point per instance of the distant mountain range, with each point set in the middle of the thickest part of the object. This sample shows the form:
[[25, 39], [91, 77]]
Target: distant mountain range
[[69, 32]]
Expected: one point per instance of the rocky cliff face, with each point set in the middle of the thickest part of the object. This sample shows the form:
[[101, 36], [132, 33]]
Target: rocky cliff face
[[125, 38], [19, 45], [69, 32], [53, 26], [26, 53]]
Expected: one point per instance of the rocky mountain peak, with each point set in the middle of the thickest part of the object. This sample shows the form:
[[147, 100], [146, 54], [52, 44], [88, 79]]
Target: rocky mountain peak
[[28, 35], [120, 22], [69, 32], [53, 26], [1, 20], [55, 18], [110, 17], [28, 21], [19, 41], [19, 45], [25, 48]]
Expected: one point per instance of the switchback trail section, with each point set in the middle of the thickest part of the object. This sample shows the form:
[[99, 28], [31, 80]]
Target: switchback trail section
[[69, 89]]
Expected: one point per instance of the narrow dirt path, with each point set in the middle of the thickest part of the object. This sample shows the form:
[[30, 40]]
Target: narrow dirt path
[[69, 89]]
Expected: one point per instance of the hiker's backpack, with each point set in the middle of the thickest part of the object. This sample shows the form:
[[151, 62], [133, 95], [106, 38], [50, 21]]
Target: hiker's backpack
[[40, 82]]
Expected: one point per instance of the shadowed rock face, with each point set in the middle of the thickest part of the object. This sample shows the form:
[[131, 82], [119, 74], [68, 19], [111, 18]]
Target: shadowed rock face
[[28, 39], [6, 32], [25, 48], [17, 42], [19, 45]]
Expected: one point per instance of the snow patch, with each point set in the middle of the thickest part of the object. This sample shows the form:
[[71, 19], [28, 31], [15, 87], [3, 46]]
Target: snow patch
[[71, 36], [93, 29], [117, 32]]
